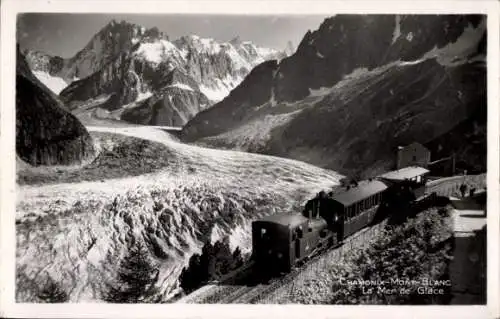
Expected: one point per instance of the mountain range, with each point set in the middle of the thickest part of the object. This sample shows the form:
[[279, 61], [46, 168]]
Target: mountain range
[[140, 75], [352, 91], [356, 89]]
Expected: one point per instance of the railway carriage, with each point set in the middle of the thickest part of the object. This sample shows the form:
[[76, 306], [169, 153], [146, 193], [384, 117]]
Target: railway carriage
[[413, 178], [358, 205], [405, 186]]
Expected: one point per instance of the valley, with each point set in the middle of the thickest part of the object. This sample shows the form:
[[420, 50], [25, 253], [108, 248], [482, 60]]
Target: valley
[[169, 144], [81, 228]]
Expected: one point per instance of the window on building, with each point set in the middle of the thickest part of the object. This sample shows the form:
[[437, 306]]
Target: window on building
[[414, 158], [299, 232]]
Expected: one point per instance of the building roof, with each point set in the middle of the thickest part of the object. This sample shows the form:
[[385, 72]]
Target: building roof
[[414, 144], [405, 173], [362, 191], [285, 219]]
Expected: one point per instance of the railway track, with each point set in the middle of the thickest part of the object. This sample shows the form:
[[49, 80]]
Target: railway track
[[228, 291], [251, 294], [256, 295], [238, 294]]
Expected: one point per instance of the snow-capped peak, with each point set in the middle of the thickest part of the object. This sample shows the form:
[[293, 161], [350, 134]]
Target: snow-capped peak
[[199, 44], [157, 51]]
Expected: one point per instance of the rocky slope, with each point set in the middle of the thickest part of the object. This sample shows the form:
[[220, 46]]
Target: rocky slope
[[46, 133], [171, 105], [355, 89], [128, 64]]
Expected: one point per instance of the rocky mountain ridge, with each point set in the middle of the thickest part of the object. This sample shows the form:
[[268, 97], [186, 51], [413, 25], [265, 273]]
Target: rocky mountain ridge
[[354, 90]]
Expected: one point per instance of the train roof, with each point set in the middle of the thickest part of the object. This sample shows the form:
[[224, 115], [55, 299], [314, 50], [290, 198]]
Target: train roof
[[405, 173], [285, 219], [361, 192]]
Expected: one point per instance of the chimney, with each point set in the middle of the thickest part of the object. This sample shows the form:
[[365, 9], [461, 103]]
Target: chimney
[[399, 157], [309, 212]]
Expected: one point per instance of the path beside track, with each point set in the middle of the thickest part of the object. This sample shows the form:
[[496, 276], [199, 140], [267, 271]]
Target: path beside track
[[468, 269]]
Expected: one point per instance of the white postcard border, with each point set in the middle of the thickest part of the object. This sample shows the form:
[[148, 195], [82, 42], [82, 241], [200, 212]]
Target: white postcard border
[[9, 308]]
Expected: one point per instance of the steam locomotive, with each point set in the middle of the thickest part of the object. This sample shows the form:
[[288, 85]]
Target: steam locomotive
[[282, 241]]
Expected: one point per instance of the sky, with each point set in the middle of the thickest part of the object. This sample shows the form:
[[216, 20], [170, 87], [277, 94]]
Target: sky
[[64, 34]]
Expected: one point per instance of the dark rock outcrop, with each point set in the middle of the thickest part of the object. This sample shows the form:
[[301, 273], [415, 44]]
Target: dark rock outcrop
[[174, 104], [46, 133]]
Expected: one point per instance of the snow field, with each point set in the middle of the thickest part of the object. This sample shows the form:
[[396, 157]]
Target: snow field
[[54, 83]]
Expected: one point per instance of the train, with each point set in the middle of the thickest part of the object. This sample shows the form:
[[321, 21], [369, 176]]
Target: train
[[283, 241]]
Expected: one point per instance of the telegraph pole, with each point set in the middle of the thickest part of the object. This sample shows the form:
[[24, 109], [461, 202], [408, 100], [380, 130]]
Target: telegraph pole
[[452, 164]]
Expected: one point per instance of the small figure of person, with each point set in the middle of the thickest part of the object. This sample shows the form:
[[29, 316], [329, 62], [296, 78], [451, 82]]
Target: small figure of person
[[472, 191], [463, 189]]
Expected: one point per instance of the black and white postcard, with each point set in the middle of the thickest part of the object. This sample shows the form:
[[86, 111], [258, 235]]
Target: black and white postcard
[[159, 156]]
